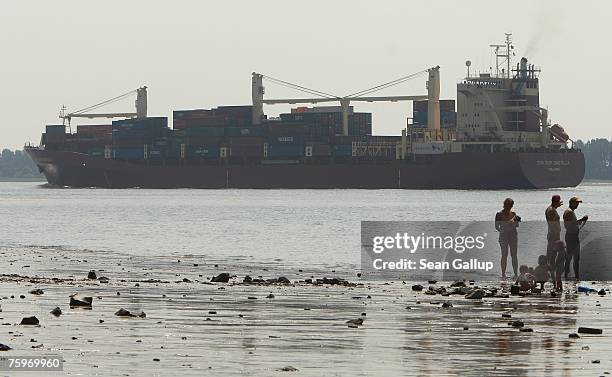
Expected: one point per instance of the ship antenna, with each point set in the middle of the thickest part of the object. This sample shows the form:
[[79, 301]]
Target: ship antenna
[[503, 51], [509, 47]]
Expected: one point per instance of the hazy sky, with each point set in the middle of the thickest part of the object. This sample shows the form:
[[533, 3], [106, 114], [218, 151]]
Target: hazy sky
[[200, 54]]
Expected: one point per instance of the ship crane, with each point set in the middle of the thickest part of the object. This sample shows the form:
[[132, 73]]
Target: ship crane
[[433, 97], [141, 108]]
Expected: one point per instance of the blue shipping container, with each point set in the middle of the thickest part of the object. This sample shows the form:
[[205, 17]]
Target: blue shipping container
[[204, 152], [128, 153], [55, 129], [343, 150], [419, 117], [141, 123], [205, 131], [96, 152], [289, 140], [242, 131], [285, 150], [148, 135]]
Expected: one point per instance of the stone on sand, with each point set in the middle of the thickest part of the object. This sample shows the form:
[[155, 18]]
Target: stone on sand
[[82, 302], [29, 321], [476, 294], [56, 311], [589, 330], [126, 313], [223, 277]]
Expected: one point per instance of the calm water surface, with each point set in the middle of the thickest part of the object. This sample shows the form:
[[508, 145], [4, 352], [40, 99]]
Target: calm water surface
[[301, 227]]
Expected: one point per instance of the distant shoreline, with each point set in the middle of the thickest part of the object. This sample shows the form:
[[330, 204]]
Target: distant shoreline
[[42, 179], [31, 179]]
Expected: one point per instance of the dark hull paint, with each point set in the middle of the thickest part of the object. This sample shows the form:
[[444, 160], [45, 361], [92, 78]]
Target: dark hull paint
[[467, 170]]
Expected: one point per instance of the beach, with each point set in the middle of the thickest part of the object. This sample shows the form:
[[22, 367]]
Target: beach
[[196, 327]]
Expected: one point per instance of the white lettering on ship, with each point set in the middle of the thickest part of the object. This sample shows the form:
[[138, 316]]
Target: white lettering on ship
[[552, 162]]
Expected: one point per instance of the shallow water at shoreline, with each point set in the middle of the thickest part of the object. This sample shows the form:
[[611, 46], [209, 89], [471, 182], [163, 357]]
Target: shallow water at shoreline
[[213, 329]]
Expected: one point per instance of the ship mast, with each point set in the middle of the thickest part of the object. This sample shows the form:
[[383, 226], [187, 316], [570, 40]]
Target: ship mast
[[503, 51]]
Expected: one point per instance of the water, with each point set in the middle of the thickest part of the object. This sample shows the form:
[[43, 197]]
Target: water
[[131, 236], [300, 227]]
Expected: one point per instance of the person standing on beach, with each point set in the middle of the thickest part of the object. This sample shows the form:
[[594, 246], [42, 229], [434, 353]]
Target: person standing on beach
[[553, 220], [506, 222], [572, 236]]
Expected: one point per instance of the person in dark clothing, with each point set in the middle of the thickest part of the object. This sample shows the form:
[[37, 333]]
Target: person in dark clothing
[[553, 221], [572, 236], [506, 222]]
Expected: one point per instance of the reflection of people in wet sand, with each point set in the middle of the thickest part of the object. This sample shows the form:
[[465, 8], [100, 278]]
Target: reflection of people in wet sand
[[572, 236], [506, 222], [554, 229]]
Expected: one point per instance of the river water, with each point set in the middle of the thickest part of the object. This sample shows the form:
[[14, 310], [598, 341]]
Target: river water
[[131, 236]]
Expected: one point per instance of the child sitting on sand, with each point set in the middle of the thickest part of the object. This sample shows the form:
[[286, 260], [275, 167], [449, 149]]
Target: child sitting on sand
[[525, 280], [541, 271]]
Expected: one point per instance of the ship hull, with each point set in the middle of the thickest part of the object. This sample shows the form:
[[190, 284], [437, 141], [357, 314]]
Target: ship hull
[[466, 170]]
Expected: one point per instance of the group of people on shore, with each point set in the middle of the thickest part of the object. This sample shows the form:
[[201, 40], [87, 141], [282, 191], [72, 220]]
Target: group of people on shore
[[560, 254]]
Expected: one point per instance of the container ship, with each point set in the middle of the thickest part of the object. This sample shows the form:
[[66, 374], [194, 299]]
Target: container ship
[[494, 136]]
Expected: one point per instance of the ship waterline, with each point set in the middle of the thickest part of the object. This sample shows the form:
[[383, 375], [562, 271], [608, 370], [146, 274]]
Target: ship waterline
[[467, 170]]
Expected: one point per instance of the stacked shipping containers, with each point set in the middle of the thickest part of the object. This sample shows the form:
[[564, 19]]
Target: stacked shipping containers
[[139, 138], [226, 132], [204, 133], [448, 115]]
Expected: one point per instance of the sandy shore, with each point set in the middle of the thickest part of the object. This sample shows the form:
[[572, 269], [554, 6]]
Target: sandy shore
[[195, 327]]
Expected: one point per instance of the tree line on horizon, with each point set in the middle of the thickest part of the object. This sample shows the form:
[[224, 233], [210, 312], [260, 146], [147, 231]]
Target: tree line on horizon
[[597, 152]]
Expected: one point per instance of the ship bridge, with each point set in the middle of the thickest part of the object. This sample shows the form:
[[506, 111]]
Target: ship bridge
[[502, 107]]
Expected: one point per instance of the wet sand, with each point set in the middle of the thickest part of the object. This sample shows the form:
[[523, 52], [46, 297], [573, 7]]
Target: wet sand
[[195, 327]]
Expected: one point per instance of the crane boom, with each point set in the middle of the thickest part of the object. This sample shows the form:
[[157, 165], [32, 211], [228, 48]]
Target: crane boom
[[141, 108], [433, 97]]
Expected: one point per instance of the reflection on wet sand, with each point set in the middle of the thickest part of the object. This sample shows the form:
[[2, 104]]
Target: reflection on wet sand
[[195, 327]]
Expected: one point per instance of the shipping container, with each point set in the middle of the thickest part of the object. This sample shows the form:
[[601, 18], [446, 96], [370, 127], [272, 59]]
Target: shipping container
[[286, 140], [141, 124], [128, 153], [343, 150], [247, 141], [285, 150], [205, 131], [243, 131], [320, 149], [246, 151], [201, 140], [129, 143], [96, 152], [94, 129], [54, 138], [146, 136], [189, 114], [55, 129], [204, 151]]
